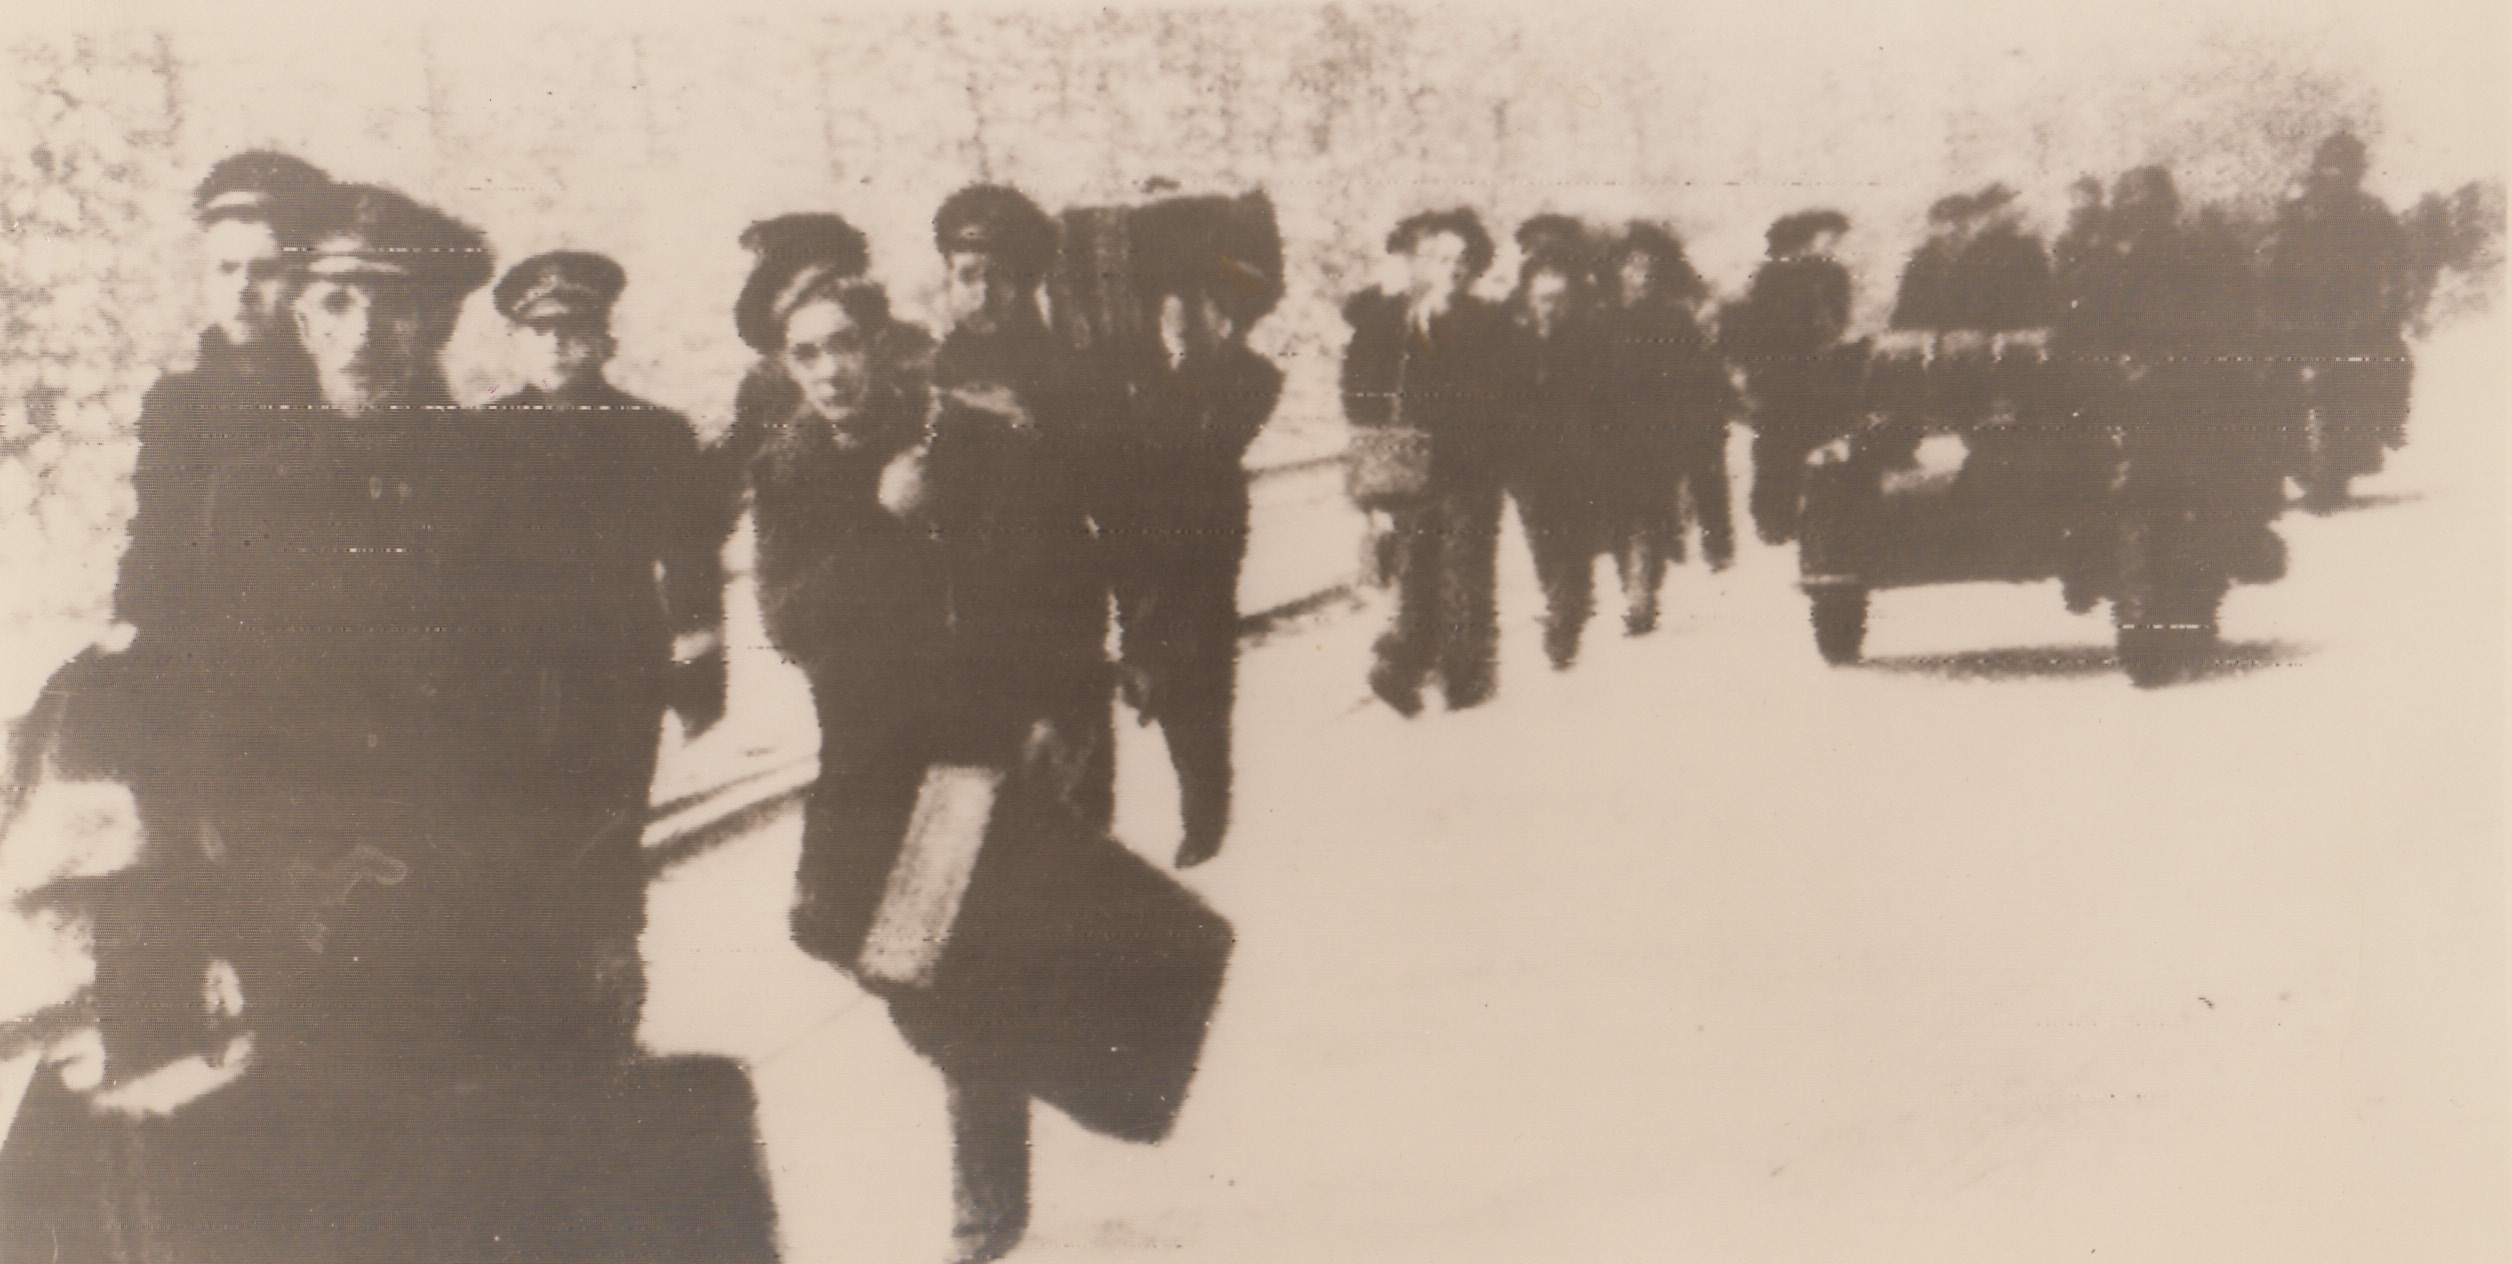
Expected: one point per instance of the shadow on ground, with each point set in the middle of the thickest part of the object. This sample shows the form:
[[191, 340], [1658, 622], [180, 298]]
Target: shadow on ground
[[2360, 503], [2061, 662]]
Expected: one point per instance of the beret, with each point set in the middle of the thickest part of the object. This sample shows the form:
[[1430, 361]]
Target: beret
[[1789, 232], [798, 255], [1461, 221]]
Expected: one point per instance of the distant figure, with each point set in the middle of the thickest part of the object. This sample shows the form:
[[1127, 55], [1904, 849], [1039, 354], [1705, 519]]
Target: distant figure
[[1205, 274], [1663, 400], [1787, 332], [2164, 327], [618, 544], [1433, 360], [2084, 240], [2339, 297], [1557, 463], [2000, 278], [1924, 301]]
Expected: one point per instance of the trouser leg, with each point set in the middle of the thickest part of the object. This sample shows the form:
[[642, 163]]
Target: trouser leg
[[1642, 537], [1558, 535], [1705, 473], [1468, 653], [1779, 456], [1404, 651], [989, 1165]]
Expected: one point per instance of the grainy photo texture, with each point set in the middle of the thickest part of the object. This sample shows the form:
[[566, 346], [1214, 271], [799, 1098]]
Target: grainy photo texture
[[1755, 631]]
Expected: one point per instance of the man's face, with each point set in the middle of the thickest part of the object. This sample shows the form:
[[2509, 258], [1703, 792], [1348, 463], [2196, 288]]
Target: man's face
[[369, 340], [1435, 268], [829, 357], [1548, 299], [246, 282], [1825, 244], [976, 292], [562, 358], [1637, 275]]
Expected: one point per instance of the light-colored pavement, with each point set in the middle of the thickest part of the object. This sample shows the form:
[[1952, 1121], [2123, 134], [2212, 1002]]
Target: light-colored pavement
[[1704, 951]]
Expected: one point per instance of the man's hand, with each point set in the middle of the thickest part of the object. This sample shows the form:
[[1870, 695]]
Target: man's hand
[[1054, 761], [698, 680], [906, 491], [1140, 687]]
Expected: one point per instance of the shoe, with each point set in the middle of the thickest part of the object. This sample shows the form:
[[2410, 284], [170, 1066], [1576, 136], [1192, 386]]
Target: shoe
[[1561, 647], [988, 1242], [1639, 622], [1198, 847], [1206, 826], [1403, 695], [1469, 695]]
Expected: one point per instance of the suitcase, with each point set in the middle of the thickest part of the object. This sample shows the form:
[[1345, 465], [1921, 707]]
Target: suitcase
[[1077, 971], [549, 1160], [1094, 293]]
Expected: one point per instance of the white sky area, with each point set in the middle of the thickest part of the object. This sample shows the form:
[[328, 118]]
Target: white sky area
[[656, 136]]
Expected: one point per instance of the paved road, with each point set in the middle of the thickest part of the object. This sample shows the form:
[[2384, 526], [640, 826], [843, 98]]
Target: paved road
[[1704, 951]]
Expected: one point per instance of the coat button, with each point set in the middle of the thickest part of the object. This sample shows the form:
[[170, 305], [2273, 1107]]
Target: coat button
[[374, 739], [375, 487]]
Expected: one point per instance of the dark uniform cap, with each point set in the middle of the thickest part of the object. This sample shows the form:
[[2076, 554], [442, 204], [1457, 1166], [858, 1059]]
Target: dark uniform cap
[[1790, 232], [1461, 221], [1994, 197], [561, 287], [260, 184], [999, 222], [798, 256], [365, 232]]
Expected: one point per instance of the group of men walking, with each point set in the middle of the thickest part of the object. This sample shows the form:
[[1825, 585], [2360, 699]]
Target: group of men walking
[[392, 701], [394, 693], [2224, 357]]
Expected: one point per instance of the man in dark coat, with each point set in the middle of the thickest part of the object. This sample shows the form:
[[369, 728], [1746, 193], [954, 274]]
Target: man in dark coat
[[1436, 359], [2338, 300], [1199, 398], [247, 388], [1787, 332], [609, 493], [1000, 375], [1664, 401], [366, 736], [1924, 300], [1557, 461], [245, 382], [2000, 280]]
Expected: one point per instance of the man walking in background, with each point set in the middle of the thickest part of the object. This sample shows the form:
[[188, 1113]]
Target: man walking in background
[[1787, 332], [617, 553]]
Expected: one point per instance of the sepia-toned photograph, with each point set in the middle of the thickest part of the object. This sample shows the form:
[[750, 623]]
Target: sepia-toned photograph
[[1761, 631]]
